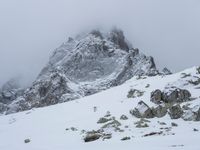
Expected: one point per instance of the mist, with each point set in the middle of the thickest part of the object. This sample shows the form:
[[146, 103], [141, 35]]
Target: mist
[[31, 29]]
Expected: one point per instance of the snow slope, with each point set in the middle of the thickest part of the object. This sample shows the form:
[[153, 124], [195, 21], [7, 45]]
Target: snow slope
[[46, 127]]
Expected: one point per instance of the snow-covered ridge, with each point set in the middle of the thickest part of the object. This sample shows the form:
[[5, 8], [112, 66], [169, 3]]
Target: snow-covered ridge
[[82, 66], [107, 116]]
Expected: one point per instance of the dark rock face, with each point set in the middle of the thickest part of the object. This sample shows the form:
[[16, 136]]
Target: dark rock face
[[117, 37], [83, 66], [175, 112], [142, 111], [171, 96], [48, 91]]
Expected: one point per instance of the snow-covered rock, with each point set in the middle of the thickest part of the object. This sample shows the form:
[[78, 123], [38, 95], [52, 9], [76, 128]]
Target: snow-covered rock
[[170, 95], [142, 110], [85, 65]]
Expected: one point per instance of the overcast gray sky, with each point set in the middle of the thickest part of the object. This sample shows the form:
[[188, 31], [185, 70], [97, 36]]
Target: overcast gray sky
[[169, 30]]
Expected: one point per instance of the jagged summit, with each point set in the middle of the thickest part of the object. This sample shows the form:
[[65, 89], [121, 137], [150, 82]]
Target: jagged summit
[[83, 66]]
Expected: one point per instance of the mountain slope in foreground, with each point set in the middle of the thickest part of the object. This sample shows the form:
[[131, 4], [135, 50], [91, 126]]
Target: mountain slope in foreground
[[106, 116]]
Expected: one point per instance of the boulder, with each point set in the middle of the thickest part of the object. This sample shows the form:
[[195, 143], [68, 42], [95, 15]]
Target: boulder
[[189, 115], [173, 95], [176, 95], [142, 110], [156, 96], [159, 111], [92, 136], [175, 112]]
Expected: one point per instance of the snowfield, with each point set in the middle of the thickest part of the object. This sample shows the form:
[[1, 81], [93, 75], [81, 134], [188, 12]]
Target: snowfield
[[64, 126]]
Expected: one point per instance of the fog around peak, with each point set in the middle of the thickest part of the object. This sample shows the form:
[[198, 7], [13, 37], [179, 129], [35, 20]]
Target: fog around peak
[[30, 30]]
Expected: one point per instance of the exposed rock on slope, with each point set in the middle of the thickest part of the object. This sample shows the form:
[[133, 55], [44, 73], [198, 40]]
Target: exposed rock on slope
[[172, 95], [83, 66]]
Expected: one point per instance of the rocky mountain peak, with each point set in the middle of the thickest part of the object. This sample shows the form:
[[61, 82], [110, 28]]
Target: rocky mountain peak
[[85, 65]]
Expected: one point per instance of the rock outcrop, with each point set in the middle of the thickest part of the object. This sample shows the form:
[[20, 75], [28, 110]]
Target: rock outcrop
[[173, 95]]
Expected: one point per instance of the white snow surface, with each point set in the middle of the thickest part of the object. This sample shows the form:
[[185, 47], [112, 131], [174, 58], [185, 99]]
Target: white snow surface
[[46, 127]]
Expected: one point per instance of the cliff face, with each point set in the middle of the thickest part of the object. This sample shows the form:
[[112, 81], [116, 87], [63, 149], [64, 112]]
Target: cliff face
[[83, 66]]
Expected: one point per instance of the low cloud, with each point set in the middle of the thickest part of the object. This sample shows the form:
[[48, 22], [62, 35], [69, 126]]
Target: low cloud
[[31, 30]]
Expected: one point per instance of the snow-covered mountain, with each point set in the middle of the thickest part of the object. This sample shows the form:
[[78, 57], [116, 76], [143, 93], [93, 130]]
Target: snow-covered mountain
[[82, 66], [146, 112], [115, 99]]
